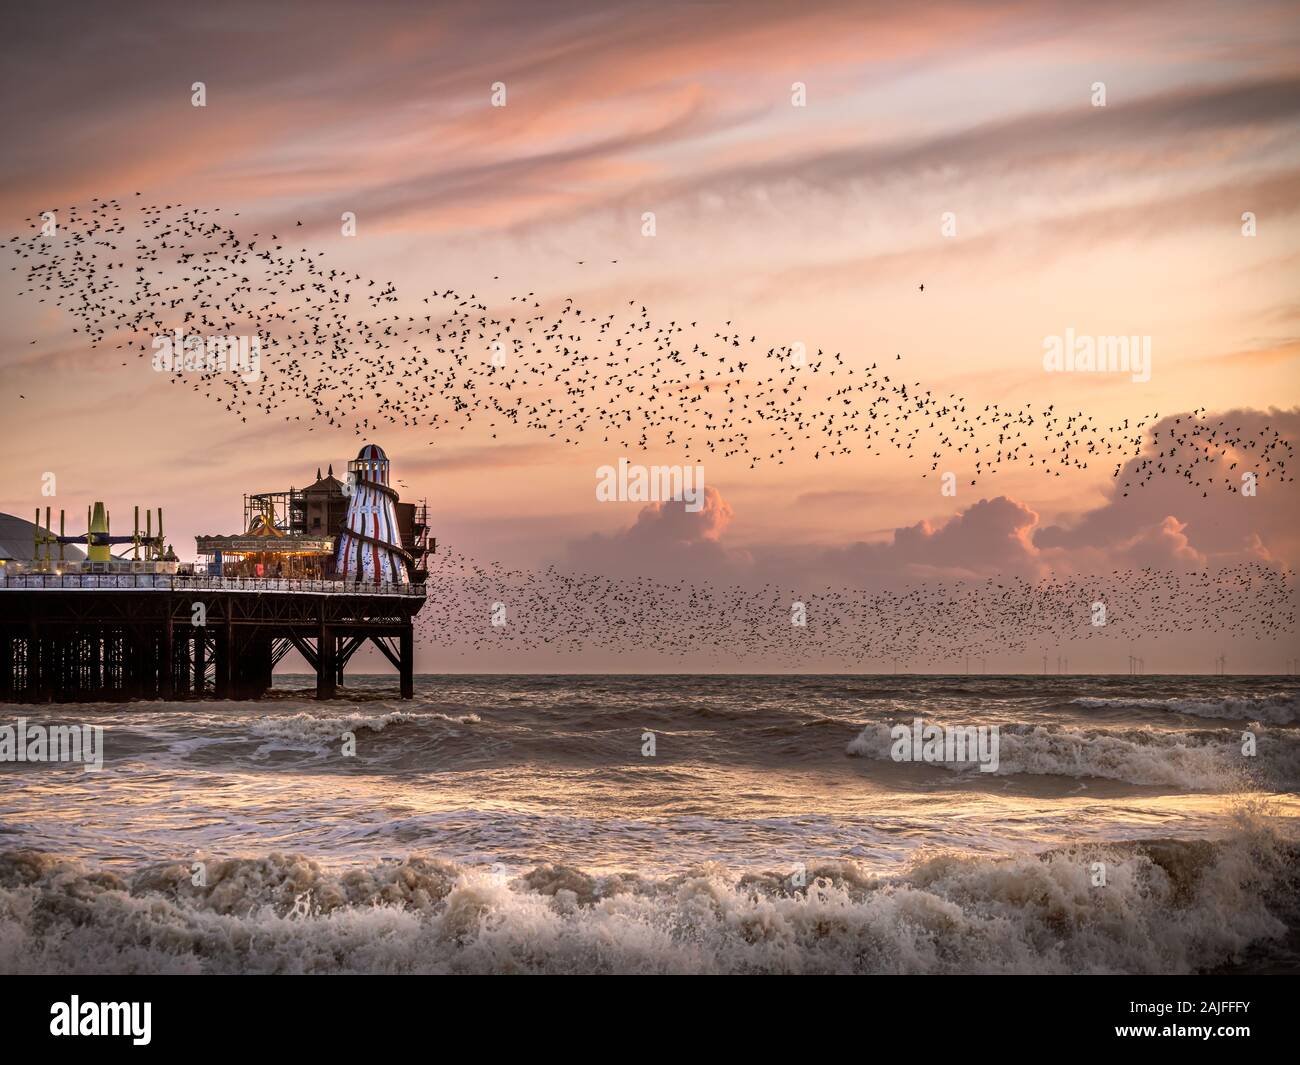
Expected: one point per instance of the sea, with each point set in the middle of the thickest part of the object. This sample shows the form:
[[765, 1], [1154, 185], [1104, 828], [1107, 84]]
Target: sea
[[665, 824]]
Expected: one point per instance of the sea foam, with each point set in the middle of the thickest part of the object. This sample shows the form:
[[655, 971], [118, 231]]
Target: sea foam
[[1166, 906]]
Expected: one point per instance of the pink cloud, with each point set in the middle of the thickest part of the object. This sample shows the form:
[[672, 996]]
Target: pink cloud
[[1166, 524], [1216, 525], [666, 540]]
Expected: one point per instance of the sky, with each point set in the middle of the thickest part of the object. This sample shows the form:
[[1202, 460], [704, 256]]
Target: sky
[[808, 167]]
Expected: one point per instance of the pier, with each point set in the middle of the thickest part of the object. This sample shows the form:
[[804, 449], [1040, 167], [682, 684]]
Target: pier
[[322, 571], [111, 637]]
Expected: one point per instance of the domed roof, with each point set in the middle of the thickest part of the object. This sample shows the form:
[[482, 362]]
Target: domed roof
[[372, 453], [16, 541]]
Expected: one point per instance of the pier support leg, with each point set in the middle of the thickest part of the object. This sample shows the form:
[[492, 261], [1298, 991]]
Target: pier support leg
[[132, 653], [407, 657], [257, 665], [7, 665], [325, 668], [226, 659], [167, 678], [35, 666], [200, 645], [184, 665], [96, 683]]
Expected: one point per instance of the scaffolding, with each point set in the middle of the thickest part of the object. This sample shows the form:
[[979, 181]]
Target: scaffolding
[[283, 510]]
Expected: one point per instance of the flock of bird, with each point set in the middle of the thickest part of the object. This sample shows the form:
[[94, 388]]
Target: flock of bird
[[346, 351], [337, 351], [475, 606]]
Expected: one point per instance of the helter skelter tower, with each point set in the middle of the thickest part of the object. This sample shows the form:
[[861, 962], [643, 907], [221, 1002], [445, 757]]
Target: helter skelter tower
[[370, 547]]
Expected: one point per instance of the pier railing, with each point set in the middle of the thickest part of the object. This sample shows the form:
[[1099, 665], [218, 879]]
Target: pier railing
[[177, 583]]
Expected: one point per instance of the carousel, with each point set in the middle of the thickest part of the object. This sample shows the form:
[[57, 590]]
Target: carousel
[[268, 552]]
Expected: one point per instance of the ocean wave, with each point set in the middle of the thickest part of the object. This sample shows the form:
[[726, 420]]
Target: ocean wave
[[1278, 709], [314, 729], [1208, 761], [1165, 906]]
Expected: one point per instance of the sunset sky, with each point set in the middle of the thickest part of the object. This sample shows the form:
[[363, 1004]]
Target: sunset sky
[[813, 224]]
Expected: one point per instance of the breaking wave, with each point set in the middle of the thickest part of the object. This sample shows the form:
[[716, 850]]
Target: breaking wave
[[1209, 761], [1166, 906], [316, 729], [1270, 709]]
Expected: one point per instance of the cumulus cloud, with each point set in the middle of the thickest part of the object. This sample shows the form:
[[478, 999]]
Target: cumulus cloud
[[1162, 546], [666, 540], [1167, 524], [991, 536], [1197, 520]]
